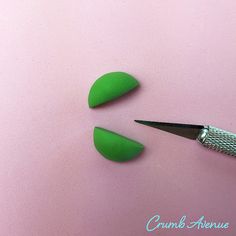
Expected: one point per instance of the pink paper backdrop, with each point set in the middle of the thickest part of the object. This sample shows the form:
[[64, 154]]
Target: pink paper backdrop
[[52, 180]]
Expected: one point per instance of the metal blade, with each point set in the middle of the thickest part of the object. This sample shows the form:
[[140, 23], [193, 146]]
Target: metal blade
[[184, 130]]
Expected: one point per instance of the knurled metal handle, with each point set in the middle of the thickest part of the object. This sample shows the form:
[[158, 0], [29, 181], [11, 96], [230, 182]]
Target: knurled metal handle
[[218, 140]]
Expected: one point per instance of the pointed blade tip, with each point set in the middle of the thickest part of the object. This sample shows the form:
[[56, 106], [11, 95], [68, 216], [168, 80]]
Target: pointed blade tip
[[140, 121]]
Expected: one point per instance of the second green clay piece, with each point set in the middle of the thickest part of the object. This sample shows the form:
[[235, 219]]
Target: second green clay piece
[[114, 146]]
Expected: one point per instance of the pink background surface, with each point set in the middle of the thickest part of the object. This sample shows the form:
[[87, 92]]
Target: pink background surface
[[52, 180]]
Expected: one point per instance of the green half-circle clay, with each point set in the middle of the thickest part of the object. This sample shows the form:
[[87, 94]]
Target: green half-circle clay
[[110, 86], [114, 146]]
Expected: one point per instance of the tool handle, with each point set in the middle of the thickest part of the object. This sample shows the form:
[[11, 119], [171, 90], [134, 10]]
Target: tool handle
[[218, 140]]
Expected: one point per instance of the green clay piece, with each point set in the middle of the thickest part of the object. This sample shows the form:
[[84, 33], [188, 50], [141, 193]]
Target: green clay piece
[[114, 146], [110, 86]]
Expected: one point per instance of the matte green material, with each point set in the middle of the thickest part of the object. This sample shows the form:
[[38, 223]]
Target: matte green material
[[115, 147], [110, 86]]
